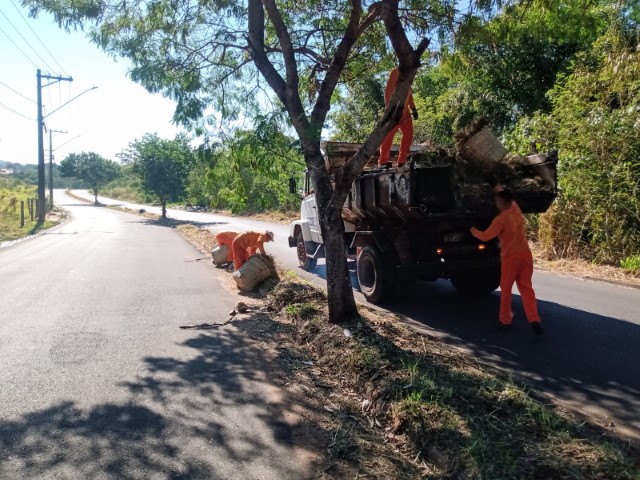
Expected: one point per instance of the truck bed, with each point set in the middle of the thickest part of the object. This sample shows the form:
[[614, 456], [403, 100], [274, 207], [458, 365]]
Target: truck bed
[[434, 186]]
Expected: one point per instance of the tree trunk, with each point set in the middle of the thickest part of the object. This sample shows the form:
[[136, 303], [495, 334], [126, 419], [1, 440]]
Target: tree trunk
[[340, 299], [95, 196], [164, 208]]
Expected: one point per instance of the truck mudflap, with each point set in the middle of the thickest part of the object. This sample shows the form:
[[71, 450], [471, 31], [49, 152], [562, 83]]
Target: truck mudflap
[[444, 269]]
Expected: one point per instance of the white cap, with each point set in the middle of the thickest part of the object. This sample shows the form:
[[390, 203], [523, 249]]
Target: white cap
[[270, 234]]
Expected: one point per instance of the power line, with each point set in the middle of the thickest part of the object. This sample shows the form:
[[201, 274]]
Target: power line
[[36, 35], [16, 45], [15, 111], [25, 40], [17, 92]]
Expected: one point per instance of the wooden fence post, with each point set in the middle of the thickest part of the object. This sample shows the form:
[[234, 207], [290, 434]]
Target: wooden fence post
[[21, 213]]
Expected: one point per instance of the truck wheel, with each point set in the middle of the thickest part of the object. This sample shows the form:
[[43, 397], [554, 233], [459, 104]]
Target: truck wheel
[[373, 277], [305, 262], [478, 281]]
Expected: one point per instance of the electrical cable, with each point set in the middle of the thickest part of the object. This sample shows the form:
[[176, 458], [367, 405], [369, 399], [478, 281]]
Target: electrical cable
[[41, 42], [26, 41], [17, 92], [21, 51], [16, 112]]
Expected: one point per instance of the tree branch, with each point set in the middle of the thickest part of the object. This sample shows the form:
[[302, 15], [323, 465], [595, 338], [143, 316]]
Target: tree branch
[[256, 44], [350, 37]]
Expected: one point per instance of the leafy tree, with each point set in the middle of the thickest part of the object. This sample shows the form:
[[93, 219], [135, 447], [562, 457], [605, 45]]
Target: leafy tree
[[503, 68], [214, 53], [162, 165], [250, 171], [594, 121], [360, 107], [90, 167]]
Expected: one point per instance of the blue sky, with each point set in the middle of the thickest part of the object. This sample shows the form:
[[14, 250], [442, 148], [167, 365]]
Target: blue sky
[[103, 120]]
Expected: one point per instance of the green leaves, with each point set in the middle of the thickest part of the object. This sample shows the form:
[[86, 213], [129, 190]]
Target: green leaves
[[595, 120], [90, 167], [162, 165]]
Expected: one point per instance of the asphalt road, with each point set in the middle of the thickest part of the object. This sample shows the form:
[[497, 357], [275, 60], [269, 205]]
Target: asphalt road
[[588, 360], [98, 381]]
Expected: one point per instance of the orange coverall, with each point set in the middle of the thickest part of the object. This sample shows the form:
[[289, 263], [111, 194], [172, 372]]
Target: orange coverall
[[245, 245], [226, 238], [405, 125], [517, 262]]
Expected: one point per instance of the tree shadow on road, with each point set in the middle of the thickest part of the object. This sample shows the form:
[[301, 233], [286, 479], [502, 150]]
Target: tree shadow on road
[[214, 410], [583, 358]]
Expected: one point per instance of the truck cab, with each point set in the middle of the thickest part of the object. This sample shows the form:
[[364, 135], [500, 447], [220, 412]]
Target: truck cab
[[305, 234]]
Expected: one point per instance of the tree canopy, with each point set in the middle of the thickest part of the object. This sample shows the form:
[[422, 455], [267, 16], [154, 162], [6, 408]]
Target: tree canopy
[[92, 168], [163, 166]]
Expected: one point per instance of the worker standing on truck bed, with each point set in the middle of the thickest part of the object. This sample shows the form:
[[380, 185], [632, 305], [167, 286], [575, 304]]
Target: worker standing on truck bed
[[405, 126], [516, 258], [226, 239], [247, 244]]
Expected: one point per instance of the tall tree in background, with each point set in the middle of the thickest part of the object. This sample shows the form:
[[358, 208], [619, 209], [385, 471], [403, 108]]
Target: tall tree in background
[[90, 167], [214, 53], [162, 165]]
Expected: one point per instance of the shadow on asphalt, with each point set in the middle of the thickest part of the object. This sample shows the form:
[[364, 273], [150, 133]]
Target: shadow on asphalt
[[185, 418], [566, 361], [563, 362], [172, 223]]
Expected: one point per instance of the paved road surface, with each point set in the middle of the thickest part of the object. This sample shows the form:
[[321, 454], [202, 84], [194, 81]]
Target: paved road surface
[[589, 359], [98, 381]]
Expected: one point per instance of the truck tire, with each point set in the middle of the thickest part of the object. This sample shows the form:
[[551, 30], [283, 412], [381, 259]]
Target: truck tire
[[304, 261], [479, 281], [373, 276]]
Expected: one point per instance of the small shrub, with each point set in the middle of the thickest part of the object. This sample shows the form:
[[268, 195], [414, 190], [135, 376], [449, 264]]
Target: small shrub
[[631, 264]]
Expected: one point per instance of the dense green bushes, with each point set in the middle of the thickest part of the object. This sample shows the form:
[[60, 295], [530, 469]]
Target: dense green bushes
[[594, 122]]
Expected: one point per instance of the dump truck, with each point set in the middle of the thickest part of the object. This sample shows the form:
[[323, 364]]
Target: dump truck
[[412, 222]]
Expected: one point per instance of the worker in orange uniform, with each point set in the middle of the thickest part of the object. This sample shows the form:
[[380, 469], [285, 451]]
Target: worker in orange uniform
[[405, 126], [517, 261], [226, 239], [247, 244]]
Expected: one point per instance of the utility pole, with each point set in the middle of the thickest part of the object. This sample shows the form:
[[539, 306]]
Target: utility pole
[[41, 187], [51, 132]]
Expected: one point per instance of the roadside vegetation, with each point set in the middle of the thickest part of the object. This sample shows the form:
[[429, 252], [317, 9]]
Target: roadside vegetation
[[402, 404], [12, 192]]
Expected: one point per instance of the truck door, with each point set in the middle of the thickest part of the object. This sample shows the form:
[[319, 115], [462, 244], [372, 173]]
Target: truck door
[[309, 211]]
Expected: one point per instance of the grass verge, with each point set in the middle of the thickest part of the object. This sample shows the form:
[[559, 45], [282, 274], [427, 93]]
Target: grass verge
[[408, 406], [391, 403], [12, 192]]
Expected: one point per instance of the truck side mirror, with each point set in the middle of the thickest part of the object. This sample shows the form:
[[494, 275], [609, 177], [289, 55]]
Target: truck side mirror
[[292, 185]]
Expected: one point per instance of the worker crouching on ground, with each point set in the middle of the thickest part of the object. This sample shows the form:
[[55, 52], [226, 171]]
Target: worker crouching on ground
[[226, 239], [247, 244], [517, 261], [405, 126]]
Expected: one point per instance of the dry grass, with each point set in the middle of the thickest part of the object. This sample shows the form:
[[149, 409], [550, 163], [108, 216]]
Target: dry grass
[[400, 405], [580, 268], [201, 238]]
